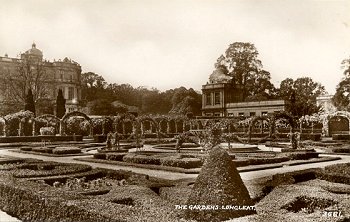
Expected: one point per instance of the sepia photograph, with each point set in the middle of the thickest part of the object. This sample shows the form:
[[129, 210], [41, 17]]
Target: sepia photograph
[[175, 111]]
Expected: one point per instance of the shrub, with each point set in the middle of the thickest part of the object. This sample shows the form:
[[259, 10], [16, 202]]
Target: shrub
[[47, 130], [341, 137], [26, 148], [33, 169], [66, 150], [302, 155], [14, 119], [141, 159], [42, 149], [186, 163], [115, 156], [100, 156], [218, 183], [341, 150]]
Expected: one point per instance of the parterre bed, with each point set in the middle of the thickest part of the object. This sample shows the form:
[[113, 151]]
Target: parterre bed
[[79, 194]]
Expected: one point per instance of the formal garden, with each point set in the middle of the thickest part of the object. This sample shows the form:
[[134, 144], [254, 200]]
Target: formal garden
[[216, 149]]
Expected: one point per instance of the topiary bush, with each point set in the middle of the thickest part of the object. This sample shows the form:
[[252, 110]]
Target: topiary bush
[[218, 184]]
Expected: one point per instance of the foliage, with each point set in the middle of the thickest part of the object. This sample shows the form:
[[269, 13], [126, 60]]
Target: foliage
[[29, 102], [186, 163], [66, 150], [60, 104], [241, 63], [14, 119], [341, 97], [29, 74], [47, 130], [300, 95]]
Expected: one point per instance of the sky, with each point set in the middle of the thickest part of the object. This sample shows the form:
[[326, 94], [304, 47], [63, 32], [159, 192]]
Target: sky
[[171, 43]]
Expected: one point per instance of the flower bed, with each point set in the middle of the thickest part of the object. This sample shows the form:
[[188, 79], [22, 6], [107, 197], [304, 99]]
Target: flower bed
[[41, 149]]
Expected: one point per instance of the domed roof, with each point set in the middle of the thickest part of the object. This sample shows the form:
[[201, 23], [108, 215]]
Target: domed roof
[[34, 51]]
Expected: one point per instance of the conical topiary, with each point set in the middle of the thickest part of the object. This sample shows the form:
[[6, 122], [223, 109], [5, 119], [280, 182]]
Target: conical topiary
[[29, 102], [219, 186], [60, 104]]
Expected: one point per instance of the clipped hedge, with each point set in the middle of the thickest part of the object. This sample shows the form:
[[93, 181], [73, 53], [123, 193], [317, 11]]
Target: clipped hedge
[[100, 156], [35, 170], [186, 163], [341, 150], [302, 155], [66, 150], [26, 148], [115, 156], [42, 149], [141, 159], [341, 137]]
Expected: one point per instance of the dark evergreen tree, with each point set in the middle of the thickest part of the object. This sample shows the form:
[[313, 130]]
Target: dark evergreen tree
[[29, 102], [60, 104]]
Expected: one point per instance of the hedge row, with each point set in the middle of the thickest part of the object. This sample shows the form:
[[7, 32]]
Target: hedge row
[[258, 161], [141, 159], [186, 163], [37, 169], [17, 139], [27, 204], [66, 150]]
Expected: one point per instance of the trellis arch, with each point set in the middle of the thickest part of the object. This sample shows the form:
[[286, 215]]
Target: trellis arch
[[141, 119], [4, 129], [325, 122], [71, 114], [47, 118], [259, 118]]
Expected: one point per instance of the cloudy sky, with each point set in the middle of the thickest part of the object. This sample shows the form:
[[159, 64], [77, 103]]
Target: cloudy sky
[[171, 43]]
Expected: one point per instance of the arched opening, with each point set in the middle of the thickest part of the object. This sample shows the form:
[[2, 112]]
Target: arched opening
[[75, 123]]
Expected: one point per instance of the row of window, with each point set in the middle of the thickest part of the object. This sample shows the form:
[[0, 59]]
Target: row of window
[[70, 92], [250, 114], [217, 99]]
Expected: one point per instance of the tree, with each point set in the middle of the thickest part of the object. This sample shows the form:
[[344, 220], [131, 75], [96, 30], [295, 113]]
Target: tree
[[341, 98], [60, 104], [29, 102], [186, 101], [242, 64], [93, 86], [300, 95], [28, 74], [101, 107]]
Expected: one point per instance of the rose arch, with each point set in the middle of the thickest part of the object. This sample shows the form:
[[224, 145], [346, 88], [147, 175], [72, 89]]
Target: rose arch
[[3, 120], [74, 113], [325, 128]]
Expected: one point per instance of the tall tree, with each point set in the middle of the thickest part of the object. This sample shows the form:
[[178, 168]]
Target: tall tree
[[341, 98], [29, 102], [60, 104], [28, 74], [300, 95], [242, 64], [93, 86]]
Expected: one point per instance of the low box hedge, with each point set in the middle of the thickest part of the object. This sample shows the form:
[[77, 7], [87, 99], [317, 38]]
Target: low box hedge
[[141, 159], [186, 163], [36, 170], [341, 137], [100, 138], [42, 149], [66, 150], [100, 156], [340, 150], [115, 156], [302, 155]]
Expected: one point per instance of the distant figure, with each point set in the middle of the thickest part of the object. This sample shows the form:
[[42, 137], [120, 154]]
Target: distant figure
[[116, 140], [109, 140]]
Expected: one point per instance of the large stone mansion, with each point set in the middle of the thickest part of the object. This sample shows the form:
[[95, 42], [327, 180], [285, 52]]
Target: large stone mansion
[[60, 74]]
